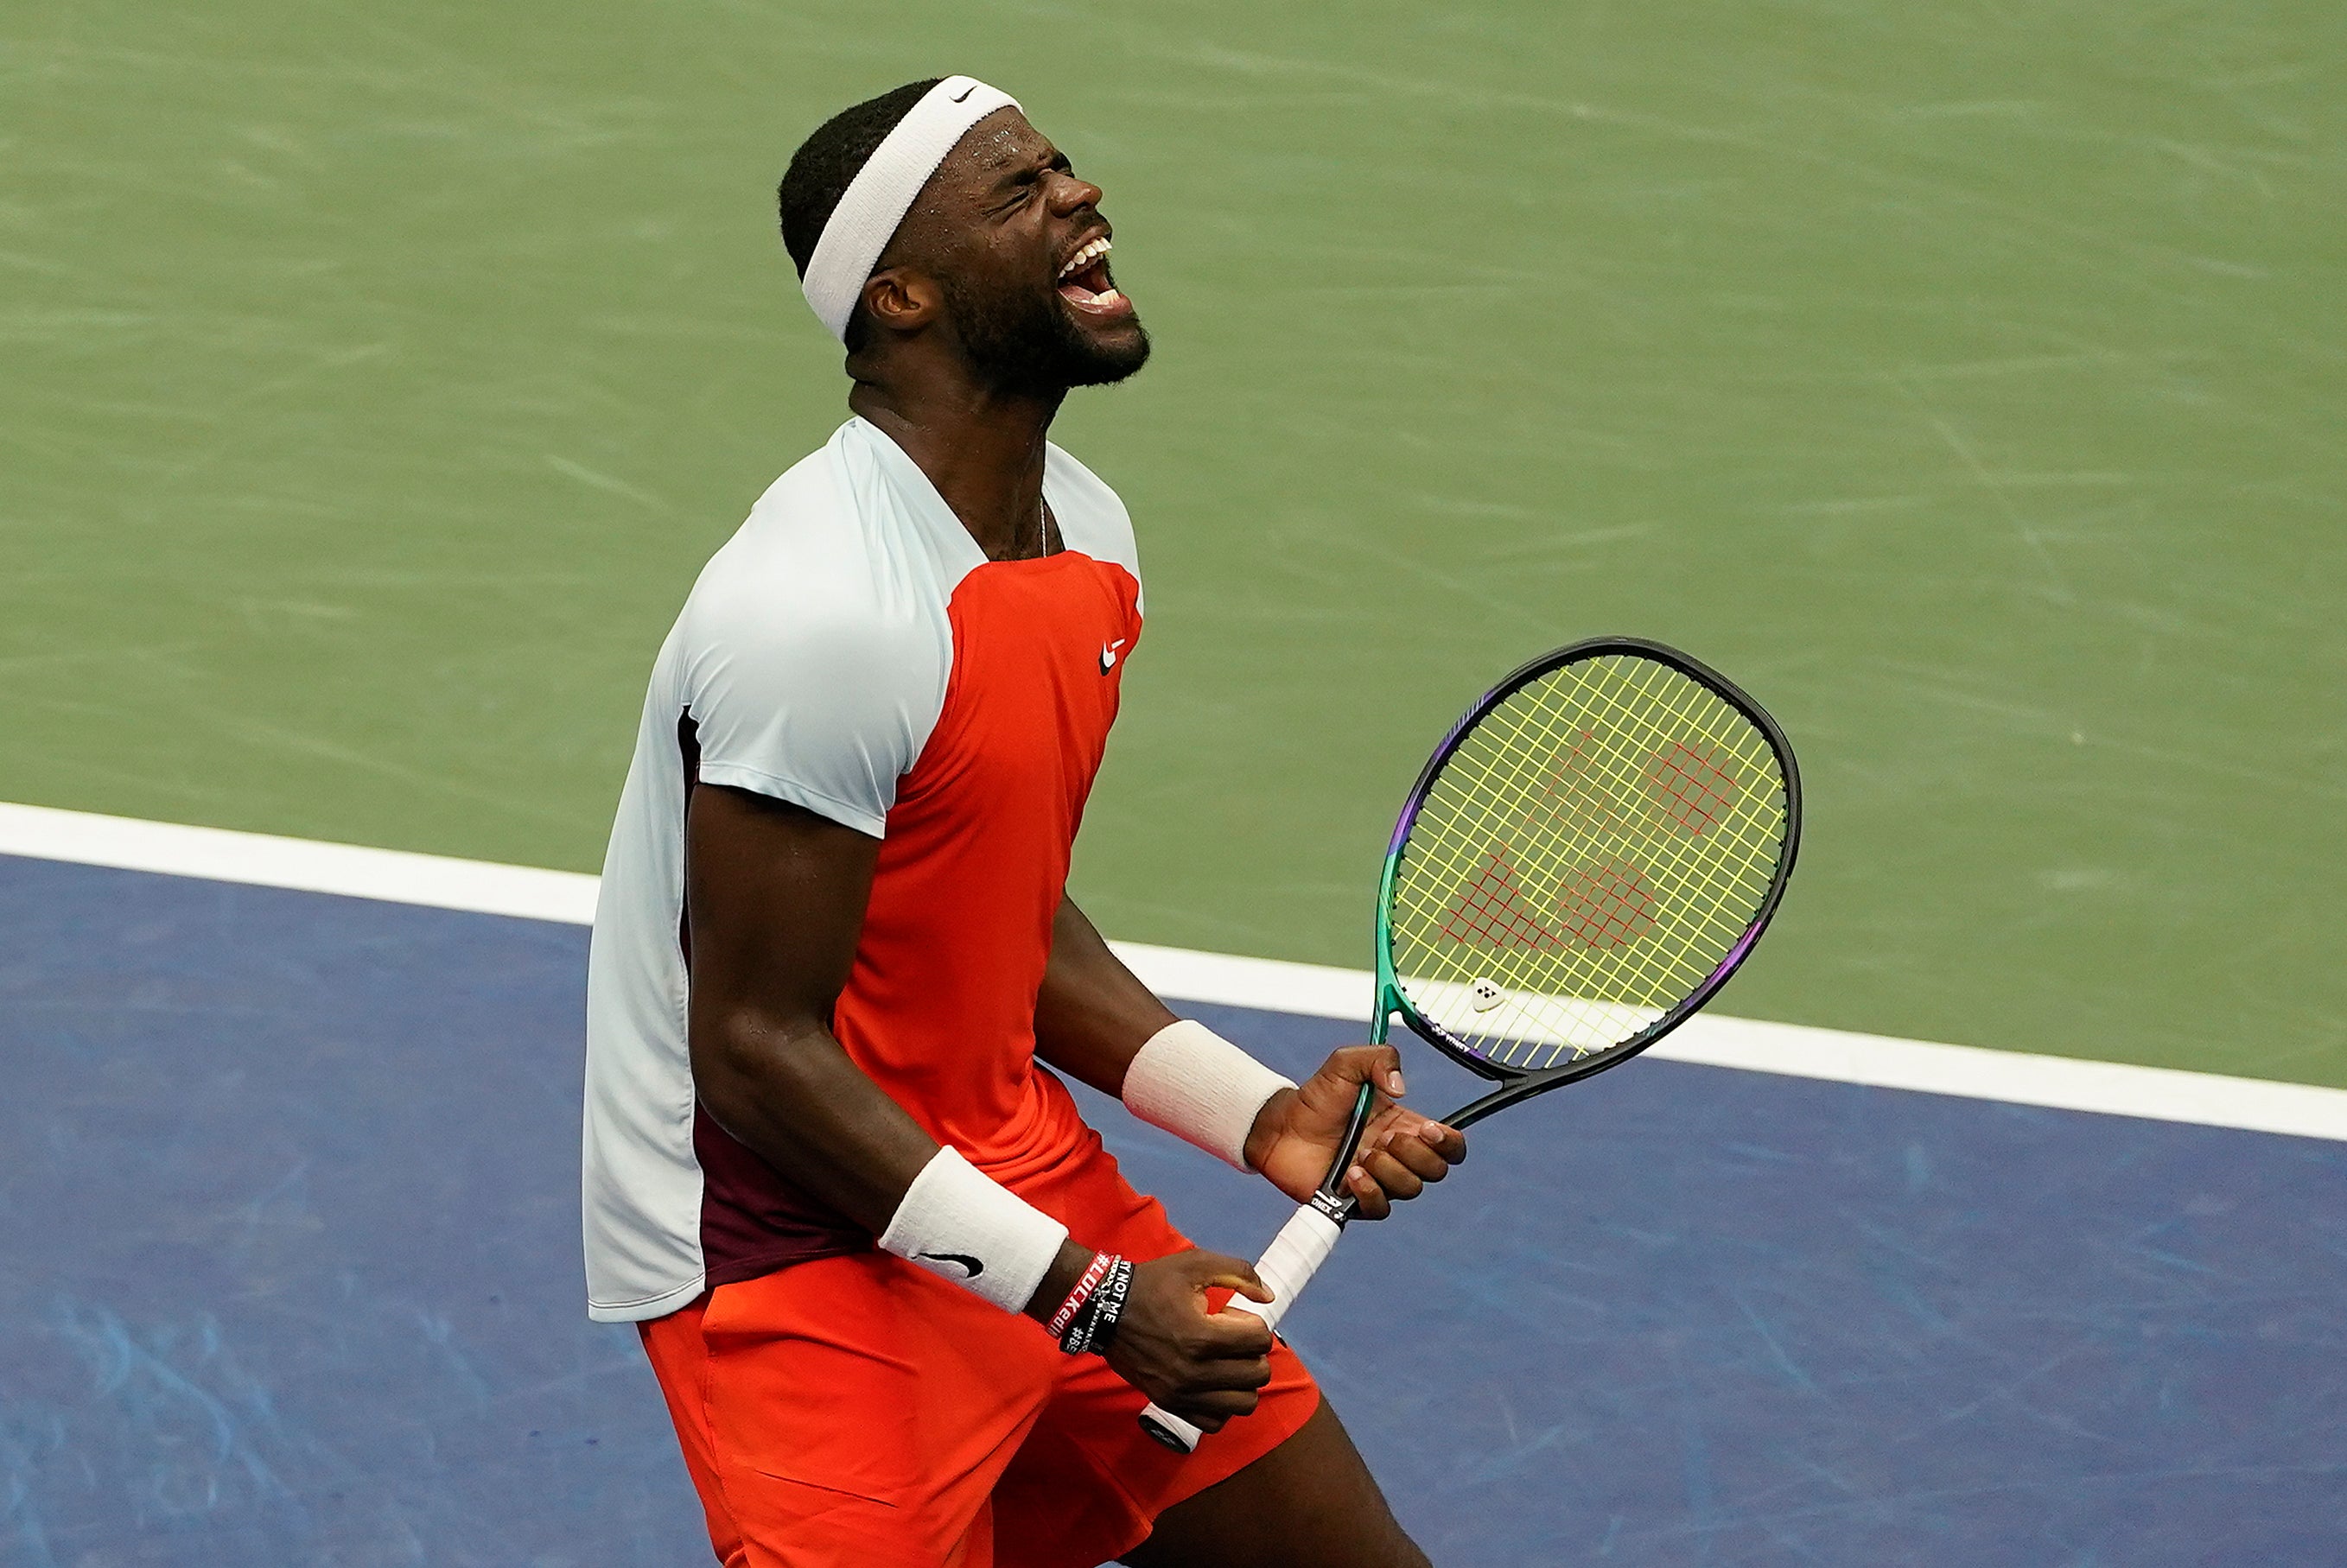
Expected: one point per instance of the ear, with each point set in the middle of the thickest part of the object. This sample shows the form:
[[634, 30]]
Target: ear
[[899, 299]]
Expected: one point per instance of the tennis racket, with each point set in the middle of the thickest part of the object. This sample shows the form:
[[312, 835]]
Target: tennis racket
[[1584, 860]]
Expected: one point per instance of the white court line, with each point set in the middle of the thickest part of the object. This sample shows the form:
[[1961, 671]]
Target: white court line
[[304, 864], [1805, 1051], [1319, 991]]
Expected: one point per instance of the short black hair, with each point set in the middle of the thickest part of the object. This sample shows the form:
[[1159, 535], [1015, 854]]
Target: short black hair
[[827, 160]]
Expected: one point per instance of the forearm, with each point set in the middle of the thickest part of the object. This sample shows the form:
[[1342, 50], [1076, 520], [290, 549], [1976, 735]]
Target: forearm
[[775, 899], [793, 1096], [1095, 1020], [788, 1090], [1092, 1014]]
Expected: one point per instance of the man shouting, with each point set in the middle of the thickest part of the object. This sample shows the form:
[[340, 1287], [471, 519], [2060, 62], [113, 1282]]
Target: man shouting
[[904, 1307]]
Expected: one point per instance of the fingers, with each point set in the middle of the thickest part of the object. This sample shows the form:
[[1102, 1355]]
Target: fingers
[[1394, 1123], [1215, 1270], [1223, 1389], [1231, 1376], [1230, 1336], [1397, 1181], [1398, 1159], [1356, 1064], [1446, 1141], [1209, 1412], [1227, 1333], [1228, 1363], [1378, 1181], [1205, 1366], [1415, 1152]]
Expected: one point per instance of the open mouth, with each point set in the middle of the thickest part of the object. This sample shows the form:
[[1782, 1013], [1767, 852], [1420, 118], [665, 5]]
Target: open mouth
[[1084, 282]]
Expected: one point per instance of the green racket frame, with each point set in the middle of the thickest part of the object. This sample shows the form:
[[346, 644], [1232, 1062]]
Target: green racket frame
[[1522, 1083]]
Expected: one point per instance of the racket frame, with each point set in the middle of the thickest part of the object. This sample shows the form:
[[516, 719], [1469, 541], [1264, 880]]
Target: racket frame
[[1516, 1083]]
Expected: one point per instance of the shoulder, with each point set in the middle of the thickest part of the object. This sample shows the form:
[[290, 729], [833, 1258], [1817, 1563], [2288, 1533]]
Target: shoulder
[[816, 571], [814, 650], [1092, 516]]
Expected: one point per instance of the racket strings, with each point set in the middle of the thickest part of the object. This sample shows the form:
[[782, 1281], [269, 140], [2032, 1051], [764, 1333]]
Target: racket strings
[[1610, 733], [1715, 880], [1623, 888], [1627, 907], [1594, 848], [1606, 732], [1710, 887]]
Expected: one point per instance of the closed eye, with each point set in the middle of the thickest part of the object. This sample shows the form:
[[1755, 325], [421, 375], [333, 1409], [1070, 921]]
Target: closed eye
[[1026, 182], [1023, 186]]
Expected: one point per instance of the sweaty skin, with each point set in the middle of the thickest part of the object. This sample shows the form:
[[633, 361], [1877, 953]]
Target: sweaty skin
[[775, 895]]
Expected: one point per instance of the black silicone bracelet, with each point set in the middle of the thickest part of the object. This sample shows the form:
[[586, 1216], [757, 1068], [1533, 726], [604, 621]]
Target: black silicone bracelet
[[1095, 1322]]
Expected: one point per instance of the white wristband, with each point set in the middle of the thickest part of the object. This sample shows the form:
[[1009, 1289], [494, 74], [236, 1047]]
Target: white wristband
[[958, 1222], [1200, 1088]]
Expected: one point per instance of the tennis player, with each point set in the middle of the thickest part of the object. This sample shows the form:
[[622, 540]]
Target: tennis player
[[903, 1306]]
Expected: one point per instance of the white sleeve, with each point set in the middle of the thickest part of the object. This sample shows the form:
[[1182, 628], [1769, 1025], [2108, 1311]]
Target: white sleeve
[[824, 704], [1091, 517]]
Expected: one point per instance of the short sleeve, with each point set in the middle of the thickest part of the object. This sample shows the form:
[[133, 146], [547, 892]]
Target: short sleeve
[[1091, 517], [826, 706]]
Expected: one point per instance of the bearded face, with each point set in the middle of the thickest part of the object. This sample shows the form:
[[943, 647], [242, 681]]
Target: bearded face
[[1031, 340]]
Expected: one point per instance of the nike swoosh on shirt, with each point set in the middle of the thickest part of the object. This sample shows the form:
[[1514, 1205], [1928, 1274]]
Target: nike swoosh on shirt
[[1108, 655], [971, 1267]]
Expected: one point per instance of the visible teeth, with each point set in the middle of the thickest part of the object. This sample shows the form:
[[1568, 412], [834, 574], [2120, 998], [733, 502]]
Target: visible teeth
[[1085, 257]]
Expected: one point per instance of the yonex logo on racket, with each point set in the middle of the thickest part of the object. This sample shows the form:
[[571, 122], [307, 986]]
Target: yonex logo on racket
[[1607, 904], [1692, 787], [1491, 911]]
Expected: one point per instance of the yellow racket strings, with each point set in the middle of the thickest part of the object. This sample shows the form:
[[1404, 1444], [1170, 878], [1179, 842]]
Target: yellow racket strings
[[1629, 930], [1588, 857]]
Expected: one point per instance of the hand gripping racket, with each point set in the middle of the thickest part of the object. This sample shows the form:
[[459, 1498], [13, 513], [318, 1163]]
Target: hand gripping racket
[[1585, 859]]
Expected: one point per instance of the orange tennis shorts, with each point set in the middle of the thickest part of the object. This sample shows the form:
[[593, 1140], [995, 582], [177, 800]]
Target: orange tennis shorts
[[859, 1412]]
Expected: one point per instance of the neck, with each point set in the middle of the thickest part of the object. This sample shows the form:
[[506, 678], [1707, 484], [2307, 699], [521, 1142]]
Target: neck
[[982, 448]]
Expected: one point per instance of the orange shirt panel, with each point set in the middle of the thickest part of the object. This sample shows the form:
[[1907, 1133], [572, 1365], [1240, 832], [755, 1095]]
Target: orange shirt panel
[[940, 1006]]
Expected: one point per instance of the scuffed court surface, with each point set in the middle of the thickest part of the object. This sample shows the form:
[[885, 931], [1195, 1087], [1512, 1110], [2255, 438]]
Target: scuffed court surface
[[291, 1220]]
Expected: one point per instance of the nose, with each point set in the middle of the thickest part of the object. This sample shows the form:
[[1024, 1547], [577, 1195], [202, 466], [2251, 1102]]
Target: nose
[[1071, 195]]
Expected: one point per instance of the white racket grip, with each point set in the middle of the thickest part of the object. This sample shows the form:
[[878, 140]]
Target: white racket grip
[[1291, 1260], [1287, 1266]]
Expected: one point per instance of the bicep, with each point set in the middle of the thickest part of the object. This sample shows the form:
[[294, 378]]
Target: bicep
[[775, 899]]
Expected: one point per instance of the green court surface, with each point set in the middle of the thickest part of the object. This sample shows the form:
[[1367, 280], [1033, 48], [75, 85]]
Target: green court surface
[[1969, 381]]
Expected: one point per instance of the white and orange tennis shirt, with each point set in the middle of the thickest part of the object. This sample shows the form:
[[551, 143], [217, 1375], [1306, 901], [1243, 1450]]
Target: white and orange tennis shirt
[[851, 651]]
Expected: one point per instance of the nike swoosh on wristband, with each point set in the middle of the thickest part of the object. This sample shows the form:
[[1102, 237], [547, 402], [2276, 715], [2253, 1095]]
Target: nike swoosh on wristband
[[973, 1267]]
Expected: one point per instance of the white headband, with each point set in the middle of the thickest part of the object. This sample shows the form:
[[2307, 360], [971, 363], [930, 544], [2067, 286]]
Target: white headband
[[875, 200]]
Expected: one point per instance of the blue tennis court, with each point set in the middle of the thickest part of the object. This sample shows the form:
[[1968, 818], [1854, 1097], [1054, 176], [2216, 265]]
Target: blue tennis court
[[291, 1221]]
